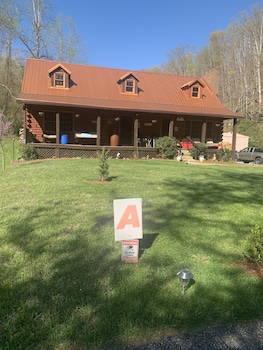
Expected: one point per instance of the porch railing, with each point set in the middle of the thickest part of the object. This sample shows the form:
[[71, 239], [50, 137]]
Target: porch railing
[[53, 150]]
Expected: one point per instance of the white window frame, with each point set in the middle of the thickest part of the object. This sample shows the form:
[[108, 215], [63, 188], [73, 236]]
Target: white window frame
[[195, 91], [59, 79], [130, 88]]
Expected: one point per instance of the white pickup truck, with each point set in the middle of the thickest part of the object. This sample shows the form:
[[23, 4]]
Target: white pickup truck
[[250, 154]]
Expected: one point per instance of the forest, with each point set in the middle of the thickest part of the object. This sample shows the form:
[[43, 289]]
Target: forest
[[30, 28]]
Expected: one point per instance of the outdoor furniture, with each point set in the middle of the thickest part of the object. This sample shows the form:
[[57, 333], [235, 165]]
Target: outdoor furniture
[[49, 138], [84, 136]]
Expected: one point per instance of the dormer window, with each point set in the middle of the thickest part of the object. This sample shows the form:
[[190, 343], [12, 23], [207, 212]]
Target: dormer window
[[195, 91], [129, 84], [59, 77]]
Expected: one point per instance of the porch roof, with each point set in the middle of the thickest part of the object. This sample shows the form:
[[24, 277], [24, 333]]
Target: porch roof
[[98, 87]]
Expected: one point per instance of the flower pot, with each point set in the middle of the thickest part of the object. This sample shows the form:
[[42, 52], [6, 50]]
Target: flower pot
[[114, 140]]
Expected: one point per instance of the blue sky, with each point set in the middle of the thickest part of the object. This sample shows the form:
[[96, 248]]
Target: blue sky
[[139, 34]]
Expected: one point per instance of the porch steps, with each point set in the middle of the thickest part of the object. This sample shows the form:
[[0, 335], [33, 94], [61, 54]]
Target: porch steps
[[186, 156]]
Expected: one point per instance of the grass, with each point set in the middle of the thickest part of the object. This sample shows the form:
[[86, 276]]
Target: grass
[[63, 285]]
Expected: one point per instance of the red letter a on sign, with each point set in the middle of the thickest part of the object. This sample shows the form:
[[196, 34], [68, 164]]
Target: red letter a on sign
[[129, 217]]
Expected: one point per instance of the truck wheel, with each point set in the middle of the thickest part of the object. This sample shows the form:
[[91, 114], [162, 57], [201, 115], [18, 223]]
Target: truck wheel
[[258, 160]]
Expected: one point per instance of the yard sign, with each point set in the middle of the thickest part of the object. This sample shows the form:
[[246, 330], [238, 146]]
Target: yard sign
[[130, 250], [127, 218]]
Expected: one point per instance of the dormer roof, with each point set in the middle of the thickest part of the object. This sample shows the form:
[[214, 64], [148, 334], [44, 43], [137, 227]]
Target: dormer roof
[[129, 75], [59, 66], [191, 83]]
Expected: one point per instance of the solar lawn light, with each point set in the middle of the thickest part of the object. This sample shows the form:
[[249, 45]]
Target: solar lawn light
[[185, 277]]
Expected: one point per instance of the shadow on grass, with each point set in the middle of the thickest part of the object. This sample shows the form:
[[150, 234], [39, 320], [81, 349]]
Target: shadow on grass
[[66, 288], [146, 242]]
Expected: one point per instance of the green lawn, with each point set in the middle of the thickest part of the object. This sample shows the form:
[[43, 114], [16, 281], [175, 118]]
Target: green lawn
[[63, 284]]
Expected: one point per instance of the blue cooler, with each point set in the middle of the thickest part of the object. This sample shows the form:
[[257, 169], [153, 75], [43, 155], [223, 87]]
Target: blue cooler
[[64, 139]]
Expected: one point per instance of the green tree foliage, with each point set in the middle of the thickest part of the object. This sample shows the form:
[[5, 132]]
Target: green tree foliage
[[253, 129], [224, 155], [166, 147], [199, 149], [28, 152], [11, 73], [103, 164], [254, 246]]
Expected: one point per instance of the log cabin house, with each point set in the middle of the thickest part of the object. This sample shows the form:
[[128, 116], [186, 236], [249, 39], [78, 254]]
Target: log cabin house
[[73, 110]]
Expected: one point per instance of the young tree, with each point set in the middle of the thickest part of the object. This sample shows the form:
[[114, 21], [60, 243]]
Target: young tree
[[103, 165], [4, 128]]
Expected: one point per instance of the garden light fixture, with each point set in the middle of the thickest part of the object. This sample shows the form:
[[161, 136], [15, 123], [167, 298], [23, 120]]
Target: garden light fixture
[[185, 277]]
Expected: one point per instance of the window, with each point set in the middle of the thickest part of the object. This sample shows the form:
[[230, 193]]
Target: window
[[195, 91], [60, 79], [129, 85], [50, 123], [193, 88], [66, 122], [193, 129]]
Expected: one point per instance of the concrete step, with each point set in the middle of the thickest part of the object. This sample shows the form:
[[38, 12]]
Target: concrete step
[[186, 155]]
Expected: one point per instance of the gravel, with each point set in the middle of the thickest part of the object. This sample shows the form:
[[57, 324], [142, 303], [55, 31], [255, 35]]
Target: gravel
[[245, 337]]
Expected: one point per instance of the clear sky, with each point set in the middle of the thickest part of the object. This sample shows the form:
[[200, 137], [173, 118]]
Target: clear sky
[[139, 34]]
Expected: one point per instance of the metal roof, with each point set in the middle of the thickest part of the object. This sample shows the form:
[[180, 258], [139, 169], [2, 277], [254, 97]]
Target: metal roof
[[98, 87]]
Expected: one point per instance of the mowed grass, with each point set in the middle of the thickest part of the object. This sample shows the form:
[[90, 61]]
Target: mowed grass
[[62, 282]]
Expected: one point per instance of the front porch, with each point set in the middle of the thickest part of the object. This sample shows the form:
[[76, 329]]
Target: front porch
[[83, 132]]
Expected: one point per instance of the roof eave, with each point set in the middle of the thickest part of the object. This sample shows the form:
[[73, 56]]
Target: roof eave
[[226, 114]]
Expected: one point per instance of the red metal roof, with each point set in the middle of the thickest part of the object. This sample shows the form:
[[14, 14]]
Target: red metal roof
[[98, 87]]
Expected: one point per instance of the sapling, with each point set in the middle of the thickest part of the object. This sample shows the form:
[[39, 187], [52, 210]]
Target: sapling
[[4, 128], [103, 164]]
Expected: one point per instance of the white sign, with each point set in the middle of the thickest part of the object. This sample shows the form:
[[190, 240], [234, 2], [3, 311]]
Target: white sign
[[127, 218]]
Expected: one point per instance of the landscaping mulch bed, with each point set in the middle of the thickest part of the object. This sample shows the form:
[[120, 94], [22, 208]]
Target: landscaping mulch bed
[[251, 269]]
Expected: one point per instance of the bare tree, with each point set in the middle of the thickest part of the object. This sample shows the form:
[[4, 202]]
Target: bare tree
[[242, 85], [66, 43], [181, 61]]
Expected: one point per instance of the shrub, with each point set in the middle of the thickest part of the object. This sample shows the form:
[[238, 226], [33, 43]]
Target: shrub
[[103, 164], [254, 246], [166, 147], [199, 149], [223, 154], [28, 152]]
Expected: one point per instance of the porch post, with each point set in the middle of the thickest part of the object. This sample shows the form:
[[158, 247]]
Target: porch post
[[98, 130], [203, 132], [24, 126], [57, 134], [234, 137], [171, 128], [135, 132]]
